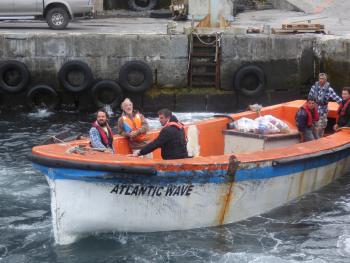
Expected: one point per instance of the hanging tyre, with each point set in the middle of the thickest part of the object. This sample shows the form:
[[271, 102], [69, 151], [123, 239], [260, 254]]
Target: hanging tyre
[[161, 14], [135, 76], [75, 76], [42, 97], [57, 18], [249, 80], [107, 92], [14, 76], [142, 5]]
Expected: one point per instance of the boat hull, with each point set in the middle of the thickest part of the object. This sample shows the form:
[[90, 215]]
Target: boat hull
[[222, 183], [92, 205]]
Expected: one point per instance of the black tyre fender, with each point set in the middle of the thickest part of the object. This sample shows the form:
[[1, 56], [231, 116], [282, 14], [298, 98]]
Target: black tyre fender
[[107, 92], [42, 96], [142, 5], [249, 80], [142, 69], [79, 66], [57, 18], [14, 76], [161, 14]]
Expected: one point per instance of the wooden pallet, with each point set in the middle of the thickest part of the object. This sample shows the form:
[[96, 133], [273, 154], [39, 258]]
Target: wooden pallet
[[300, 28], [303, 26]]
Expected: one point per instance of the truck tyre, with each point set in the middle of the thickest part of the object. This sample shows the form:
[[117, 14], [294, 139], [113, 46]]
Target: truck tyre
[[57, 18], [42, 96], [14, 76], [75, 67], [136, 76], [142, 5], [107, 92], [161, 14], [249, 80]]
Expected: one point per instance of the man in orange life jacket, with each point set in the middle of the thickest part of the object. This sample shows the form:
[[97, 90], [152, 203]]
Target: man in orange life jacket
[[344, 110], [171, 139], [133, 125], [101, 135], [305, 118]]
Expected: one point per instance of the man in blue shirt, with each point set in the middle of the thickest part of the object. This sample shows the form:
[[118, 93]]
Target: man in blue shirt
[[101, 135], [323, 93]]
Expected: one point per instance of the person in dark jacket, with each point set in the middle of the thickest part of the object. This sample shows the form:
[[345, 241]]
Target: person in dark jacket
[[344, 110], [171, 139], [101, 135], [305, 118]]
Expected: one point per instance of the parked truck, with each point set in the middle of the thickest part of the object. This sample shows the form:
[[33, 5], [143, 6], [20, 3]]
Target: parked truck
[[136, 5], [57, 13]]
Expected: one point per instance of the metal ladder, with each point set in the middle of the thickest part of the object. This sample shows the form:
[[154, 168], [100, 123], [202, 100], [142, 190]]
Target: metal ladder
[[204, 60]]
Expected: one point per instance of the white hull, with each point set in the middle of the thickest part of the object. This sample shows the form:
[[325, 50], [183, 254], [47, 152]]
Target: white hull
[[82, 207]]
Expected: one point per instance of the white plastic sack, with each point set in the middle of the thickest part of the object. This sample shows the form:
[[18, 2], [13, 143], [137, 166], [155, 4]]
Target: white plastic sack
[[282, 126], [265, 127], [245, 125]]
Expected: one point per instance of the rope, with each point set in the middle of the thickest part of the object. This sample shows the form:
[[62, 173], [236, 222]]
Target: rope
[[55, 139], [218, 39]]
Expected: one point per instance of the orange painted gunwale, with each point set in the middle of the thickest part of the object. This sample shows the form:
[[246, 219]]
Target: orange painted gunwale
[[208, 129]]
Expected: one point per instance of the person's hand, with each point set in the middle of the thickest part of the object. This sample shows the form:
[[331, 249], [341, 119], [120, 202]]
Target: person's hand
[[133, 134], [335, 127], [136, 153]]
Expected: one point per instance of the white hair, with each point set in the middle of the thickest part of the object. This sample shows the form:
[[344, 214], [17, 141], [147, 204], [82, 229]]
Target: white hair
[[124, 102]]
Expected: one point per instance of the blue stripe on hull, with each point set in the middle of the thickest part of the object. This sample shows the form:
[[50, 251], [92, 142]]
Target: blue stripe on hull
[[287, 169], [194, 177]]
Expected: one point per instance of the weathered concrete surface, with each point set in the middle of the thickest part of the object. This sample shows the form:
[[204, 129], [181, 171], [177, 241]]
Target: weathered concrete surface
[[200, 8], [167, 55], [284, 5], [334, 24], [321, 6], [286, 60], [98, 6], [334, 58], [289, 62]]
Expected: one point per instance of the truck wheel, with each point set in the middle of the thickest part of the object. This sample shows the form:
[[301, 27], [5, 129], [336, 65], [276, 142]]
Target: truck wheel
[[57, 18], [142, 5]]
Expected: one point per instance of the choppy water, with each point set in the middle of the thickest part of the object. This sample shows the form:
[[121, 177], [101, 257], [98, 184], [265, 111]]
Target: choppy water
[[315, 228]]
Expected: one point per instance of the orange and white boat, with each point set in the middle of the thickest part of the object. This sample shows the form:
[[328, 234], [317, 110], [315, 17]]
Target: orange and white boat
[[231, 176]]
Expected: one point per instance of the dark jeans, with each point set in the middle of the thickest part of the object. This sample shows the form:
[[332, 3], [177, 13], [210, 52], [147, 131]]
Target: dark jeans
[[309, 134]]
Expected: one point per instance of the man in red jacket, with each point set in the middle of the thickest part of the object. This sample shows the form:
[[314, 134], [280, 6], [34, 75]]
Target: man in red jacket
[[305, 119], [171, 139], [344, 110], [101, 135]]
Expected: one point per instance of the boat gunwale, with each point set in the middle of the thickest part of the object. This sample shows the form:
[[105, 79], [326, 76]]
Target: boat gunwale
[[213, 162], [152, 170]]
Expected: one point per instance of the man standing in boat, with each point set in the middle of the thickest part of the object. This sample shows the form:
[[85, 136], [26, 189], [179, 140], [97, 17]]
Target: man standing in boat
[[133, 126], [101, 135], [171, 138], [305, 118], [344, 110], [323, 93]]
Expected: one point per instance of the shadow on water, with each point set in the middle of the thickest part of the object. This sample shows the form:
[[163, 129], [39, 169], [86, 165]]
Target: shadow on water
[[314, 228]]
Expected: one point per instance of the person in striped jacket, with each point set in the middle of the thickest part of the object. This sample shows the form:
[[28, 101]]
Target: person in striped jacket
[[323, 93]]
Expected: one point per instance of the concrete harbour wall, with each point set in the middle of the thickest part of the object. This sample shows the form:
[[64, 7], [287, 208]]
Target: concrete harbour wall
[[289, 63]]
